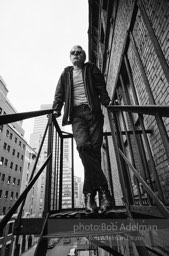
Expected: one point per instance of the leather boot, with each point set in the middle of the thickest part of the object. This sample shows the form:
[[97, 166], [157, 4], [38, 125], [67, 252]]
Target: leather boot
[[106, 198], [90, 203]]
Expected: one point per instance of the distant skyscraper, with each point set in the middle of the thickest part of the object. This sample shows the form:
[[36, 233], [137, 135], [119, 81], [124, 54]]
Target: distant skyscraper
[[35, 140], [40, 123]]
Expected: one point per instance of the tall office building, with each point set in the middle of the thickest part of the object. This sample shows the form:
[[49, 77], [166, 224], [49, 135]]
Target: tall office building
[[40, 123], [35, 140], [17, 159], [12, 154]]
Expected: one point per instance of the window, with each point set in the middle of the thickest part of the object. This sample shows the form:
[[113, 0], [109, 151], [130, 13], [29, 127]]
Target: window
[[16, 140], [6, 162], [10, 229], [11, 136], [9, 179], [11, 195], [6, 194], [5, 146], [16, 167], [13, 152], [20, 169], [3, 177], [18, 155], [11, 165], [21, 157], [7, 133], [18, 182], [0, 193], [2, 160], [20, 143], [14, 181], [4, 211], [23, 146], [8, 148], [16, 196], [1, 128]]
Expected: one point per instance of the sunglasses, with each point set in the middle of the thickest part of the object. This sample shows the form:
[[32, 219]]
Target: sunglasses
[[75, 52]]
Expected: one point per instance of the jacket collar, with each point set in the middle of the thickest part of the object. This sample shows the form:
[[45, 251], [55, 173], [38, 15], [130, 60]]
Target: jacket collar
[[70, 68]]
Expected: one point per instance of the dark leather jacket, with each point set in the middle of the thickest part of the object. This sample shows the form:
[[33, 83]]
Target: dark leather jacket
[[95, 88]]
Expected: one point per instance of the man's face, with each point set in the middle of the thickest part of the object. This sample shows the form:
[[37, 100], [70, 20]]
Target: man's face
[[77, 56]]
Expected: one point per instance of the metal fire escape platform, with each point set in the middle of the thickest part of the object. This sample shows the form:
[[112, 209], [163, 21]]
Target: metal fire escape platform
[[60, 223], [99, 228], [145, 209]]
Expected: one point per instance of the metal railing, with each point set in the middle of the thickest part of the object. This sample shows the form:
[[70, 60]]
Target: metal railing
[[4, 119], [124, 137], [129, 147], [53, 166]]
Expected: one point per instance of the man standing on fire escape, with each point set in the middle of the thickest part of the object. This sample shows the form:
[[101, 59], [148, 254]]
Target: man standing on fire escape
[[80, 89]]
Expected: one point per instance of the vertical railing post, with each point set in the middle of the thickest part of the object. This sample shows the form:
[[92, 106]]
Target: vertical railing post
[[142, 164], [127, 197], [73, 196], [55, 170], [127, 102], [49, 169], [128, 137], [152, 164], [61, 174], [109, 170]]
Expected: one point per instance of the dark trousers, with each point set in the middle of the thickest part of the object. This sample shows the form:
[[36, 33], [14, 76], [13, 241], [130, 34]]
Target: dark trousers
[[88, 133]]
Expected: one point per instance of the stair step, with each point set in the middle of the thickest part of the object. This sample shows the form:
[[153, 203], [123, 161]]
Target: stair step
[[114, 213]]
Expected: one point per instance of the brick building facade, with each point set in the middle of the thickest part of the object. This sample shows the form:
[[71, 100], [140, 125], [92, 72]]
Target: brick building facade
[[129, 42]]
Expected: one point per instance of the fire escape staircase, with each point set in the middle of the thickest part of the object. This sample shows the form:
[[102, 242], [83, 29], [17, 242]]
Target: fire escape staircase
[[58, 222]]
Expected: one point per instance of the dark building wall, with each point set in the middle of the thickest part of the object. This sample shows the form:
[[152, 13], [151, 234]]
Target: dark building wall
[[139, 36], [109, 59], [119, 27], [157, 12], [157, 91]]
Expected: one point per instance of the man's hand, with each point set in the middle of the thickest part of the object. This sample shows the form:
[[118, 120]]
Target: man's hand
[[109, 103], [56, 114]]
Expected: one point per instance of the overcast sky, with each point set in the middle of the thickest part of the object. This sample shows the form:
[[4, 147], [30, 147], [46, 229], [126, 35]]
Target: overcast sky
[[35, 40]]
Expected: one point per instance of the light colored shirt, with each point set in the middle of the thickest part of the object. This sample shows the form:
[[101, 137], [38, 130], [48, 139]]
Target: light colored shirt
[[79, 94]]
